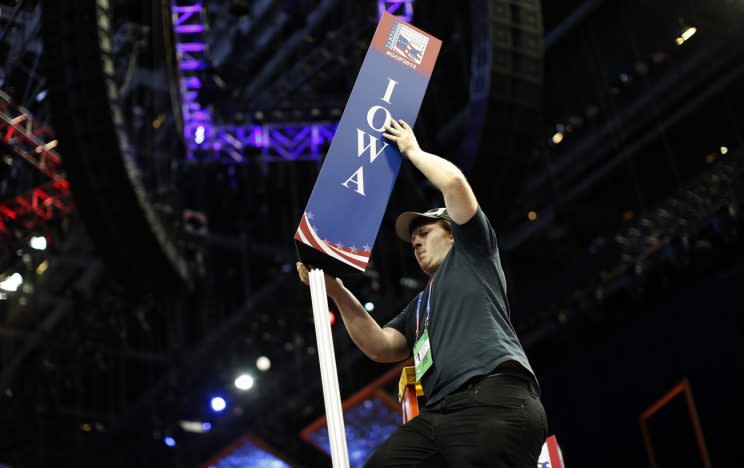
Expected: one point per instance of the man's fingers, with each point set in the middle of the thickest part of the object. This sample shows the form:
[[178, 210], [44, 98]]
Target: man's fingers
[[404, 124], [302, 272], [392, 129], [390, 137], [395, 124]]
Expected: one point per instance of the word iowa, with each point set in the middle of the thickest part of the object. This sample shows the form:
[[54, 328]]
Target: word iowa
[[368, 143]]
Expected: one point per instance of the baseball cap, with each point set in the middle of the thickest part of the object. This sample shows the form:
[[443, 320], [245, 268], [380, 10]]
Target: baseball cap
[[405, 220]]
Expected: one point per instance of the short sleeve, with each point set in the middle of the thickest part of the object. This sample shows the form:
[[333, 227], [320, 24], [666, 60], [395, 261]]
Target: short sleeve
[[476, 237], [399, 323]]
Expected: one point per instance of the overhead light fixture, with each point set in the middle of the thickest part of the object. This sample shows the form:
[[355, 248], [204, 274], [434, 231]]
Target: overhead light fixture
[[686, 34], [42, 267], [244, 382], [263, 363], [158, 121], [38, 243], [199, 135], [218, 404], [12, 282], [195, 426]]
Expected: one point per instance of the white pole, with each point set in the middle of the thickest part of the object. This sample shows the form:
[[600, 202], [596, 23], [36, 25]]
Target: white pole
[[328, 371]]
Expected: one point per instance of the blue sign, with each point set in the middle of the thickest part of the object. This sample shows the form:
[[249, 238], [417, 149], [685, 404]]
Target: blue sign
[[349, 199]]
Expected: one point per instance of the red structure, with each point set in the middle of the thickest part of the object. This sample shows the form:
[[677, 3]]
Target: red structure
[[34, 142], [36, 207], [682, 388]]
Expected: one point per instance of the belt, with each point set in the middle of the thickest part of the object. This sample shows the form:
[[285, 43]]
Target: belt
[[511, 371]]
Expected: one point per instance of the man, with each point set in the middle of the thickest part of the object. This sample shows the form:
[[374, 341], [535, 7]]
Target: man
[[483, 407]]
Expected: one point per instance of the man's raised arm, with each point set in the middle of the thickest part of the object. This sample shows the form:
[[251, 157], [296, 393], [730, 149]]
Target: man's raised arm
[[445, 176], [379, 344]]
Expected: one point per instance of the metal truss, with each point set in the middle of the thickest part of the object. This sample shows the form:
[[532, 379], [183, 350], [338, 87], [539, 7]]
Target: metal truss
[[33, 141], [29, 210], [703, 203], [29, 138], [278, 142], [595, 157], [189, 24], [703, 214], [235, 144]]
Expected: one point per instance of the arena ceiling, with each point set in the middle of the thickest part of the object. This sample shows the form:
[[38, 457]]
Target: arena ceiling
[[175, 273]]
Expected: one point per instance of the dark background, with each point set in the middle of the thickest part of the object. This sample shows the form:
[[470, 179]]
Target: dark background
[[175, 273]]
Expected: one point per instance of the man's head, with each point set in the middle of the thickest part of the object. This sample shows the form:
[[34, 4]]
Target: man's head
[[430, 234]]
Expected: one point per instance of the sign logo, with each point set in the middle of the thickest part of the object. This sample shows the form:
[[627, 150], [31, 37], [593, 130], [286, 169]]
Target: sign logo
[[407, 42]]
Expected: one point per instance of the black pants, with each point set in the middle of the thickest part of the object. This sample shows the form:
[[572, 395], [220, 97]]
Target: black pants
[[496, 421]]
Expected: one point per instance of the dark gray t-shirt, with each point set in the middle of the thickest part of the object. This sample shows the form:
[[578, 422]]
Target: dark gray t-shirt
[[469, 327]]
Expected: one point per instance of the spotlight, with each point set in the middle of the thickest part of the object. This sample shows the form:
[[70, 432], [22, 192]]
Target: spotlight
[[557, 137], [196, 427], [42, 94], [11, 283], [331, 317], [218, 404], [244, 382], [369, 307], [38, 243], [158, 121], [263, 364], [688, 33], [169, 441], [532, 215], [42, 267], [724, 150]]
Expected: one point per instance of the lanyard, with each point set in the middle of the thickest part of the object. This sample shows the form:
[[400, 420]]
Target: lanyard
[[428, 307]]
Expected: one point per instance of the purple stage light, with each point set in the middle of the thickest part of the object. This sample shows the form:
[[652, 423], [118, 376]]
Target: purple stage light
[[403, 9], [188, 25], [273, 142], [237, 144]]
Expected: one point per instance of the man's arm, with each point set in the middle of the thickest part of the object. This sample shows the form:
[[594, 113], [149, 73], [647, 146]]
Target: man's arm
[[379, 344], [445, 176]]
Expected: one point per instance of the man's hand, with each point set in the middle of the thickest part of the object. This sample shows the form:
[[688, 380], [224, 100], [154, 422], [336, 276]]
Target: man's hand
[[401, 134], [445, 176], [380, 345], [332, 284]]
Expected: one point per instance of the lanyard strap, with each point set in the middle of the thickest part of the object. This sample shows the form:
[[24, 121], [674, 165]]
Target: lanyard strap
[[428, 308]]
